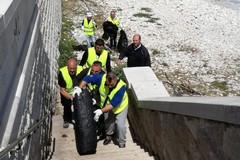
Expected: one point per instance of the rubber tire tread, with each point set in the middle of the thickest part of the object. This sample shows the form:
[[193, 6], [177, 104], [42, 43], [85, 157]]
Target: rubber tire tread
[[85, 126]]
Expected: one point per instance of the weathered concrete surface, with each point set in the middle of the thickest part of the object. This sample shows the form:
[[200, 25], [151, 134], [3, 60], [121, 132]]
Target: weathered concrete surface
[[65, 147], [173, 136], [183, 128]]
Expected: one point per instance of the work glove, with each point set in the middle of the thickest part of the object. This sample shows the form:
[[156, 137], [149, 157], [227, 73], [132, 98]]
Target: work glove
[[98, 113], [76, 90]]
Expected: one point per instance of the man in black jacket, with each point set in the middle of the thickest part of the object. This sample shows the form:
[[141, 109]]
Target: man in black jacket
[[137, 54]]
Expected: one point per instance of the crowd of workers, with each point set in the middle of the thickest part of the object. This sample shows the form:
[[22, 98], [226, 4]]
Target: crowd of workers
[[94, 71]]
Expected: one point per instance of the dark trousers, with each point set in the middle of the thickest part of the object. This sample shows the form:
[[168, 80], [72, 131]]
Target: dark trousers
[[113, 42], [100, 125], [67, 113], [67, 109]]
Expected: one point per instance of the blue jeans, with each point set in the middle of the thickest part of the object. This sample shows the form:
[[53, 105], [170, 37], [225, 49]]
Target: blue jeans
[[90, 39]]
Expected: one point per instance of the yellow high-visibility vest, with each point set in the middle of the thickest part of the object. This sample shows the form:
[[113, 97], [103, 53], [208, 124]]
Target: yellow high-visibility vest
[[104, 90], [114, 21], [92, 56], [67, 78], [88, 27]]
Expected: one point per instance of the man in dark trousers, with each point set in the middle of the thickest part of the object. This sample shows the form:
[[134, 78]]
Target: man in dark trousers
[[65, 81], [113, 34], [137, 54]]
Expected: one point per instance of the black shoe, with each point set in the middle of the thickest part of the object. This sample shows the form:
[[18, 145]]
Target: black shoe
[[122, 145], [101, 137], [65, 124], [107, 140]]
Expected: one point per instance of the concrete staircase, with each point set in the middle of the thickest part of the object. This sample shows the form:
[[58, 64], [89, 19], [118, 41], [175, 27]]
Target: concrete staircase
[[65, 147]]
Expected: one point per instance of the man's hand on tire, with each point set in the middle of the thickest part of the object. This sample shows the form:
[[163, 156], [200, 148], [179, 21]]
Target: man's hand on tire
[[98, 113], [76, 90]]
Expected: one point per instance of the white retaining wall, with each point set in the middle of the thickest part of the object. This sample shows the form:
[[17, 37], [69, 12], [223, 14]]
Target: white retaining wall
[[29, 37]]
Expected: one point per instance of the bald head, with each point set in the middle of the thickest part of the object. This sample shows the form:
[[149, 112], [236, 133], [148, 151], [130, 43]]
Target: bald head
[[72, 66], [136, 40]]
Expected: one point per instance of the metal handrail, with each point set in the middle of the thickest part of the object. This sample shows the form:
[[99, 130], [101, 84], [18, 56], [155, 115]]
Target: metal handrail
[[15, 143]]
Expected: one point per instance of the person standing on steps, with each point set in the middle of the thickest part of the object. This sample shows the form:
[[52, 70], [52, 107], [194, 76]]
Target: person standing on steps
[[114, 105], [66, 76]]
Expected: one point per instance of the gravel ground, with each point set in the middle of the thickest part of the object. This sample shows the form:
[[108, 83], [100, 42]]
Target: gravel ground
[[194, 45]]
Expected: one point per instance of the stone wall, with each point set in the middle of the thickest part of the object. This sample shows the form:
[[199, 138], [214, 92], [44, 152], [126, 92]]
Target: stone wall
[[183, 128], [173, 136], [29, 38]]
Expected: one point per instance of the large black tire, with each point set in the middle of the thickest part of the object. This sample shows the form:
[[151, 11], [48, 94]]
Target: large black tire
[[85, 126]]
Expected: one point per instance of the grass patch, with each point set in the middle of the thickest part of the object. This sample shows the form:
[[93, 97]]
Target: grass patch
[[146, 9], [165, 64], [220, 85], [66, 42], [119, 71], [155, 52], [145, 15], [152, 20]]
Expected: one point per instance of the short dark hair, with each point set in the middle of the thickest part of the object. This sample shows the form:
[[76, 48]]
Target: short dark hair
[[96, 63], [99, 42], [111, 76]]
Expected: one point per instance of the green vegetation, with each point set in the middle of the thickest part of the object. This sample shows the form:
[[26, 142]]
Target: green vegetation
[[119, 71], [220, 85], [155, 52], [146, 9], [66, 43], [153, 20], [165, 64], [145, 15]]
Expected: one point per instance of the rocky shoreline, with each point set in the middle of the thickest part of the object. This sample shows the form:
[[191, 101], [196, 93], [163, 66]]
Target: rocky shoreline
[[194, 45]]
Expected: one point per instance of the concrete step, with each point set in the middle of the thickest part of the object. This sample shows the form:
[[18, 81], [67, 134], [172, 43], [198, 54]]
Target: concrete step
[[65, 148]]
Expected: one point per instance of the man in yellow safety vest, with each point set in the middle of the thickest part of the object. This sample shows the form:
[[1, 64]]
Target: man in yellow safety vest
[[88, 26], [113, 34], [113, 103], [97, 53], [65, 81]]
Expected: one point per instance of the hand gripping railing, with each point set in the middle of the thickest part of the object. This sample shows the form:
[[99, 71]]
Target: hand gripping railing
[[15, 143]]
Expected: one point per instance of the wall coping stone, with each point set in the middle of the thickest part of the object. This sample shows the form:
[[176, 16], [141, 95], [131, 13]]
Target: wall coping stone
[[150, 93]]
